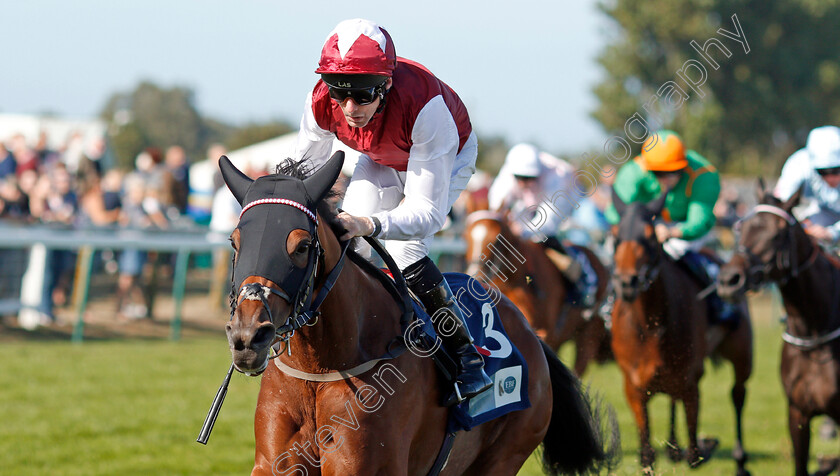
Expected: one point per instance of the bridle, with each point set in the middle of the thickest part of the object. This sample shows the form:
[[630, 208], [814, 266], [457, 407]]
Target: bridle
[[304, 308], [649, 271], [786, 262]]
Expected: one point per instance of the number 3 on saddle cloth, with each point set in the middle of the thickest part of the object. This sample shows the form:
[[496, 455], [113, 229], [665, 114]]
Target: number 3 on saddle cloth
[[503, 363]]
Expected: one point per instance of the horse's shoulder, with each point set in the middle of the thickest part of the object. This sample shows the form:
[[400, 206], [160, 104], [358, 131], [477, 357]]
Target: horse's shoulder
[[833, 259]]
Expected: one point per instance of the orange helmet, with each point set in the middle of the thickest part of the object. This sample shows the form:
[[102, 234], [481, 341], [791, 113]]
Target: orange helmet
[[664, 152]]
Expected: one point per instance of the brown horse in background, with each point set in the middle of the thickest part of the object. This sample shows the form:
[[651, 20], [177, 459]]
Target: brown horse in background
[[659, 335], [773, 246], [521, 270], [326, 406]]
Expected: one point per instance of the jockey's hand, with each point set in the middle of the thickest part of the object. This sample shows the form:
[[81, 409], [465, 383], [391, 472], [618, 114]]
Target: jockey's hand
[[819, 232], [354, 226], [665, 232]]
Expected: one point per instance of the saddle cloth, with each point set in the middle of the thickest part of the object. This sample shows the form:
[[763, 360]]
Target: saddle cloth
[[583, 293], [503, 362]]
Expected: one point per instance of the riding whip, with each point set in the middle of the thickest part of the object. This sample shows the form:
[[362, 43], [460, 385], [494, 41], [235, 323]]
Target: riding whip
[[204, 435]]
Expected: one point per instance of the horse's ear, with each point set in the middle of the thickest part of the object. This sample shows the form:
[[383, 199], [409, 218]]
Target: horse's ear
[[655, 207], [318, 184], [618, 203], [762, 190], [794, 199], [236, 181]]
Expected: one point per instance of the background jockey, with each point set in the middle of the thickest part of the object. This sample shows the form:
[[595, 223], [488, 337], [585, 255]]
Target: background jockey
[[817, 167], [693, 187], [418, 153], [538, 191]]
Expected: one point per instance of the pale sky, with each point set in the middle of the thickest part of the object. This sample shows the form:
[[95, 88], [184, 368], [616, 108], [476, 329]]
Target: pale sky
[[525, 69]]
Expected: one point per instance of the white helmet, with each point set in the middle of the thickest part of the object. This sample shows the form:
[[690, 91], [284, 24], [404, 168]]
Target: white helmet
[[523, 160], [824, 147]]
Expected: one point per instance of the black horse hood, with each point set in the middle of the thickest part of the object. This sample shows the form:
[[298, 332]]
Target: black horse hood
[[273, 206]]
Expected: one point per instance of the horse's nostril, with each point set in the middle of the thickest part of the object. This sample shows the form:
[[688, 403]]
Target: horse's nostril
[[263, 337]]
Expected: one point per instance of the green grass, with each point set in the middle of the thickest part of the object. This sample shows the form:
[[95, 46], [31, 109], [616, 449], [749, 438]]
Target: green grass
[[135, 407]]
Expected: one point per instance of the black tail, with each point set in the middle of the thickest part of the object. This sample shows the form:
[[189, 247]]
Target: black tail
[[575, 441]]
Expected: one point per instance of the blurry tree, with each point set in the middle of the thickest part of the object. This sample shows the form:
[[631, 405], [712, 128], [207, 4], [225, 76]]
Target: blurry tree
[[491, 154], [757, 107], [253, 133], [154, 116]]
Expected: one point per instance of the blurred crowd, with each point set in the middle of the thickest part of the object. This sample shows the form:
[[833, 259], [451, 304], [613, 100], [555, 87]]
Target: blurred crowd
[[73, 186]]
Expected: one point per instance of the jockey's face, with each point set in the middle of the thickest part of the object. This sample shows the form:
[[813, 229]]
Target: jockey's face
[[830, 176], [359, 116], [668, 180], [526, 183]]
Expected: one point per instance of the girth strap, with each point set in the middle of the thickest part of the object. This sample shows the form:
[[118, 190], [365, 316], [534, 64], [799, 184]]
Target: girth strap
[[443, 454]]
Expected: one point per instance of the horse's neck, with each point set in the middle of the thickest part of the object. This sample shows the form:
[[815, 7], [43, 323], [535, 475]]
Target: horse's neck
[[358, 318], [812, 297], [655, 299], [510, 255]]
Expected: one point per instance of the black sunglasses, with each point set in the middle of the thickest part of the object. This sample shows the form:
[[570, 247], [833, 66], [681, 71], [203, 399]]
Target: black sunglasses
[[831, 171], [663, 174], [361, 96]]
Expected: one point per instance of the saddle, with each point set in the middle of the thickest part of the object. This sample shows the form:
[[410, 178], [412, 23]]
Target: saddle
[[503, 362], [577, 270]]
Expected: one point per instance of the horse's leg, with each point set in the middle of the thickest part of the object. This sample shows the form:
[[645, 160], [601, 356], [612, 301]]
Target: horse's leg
[[637, 399], [674, 451], [691, 402], [799, 426], [741, 358]]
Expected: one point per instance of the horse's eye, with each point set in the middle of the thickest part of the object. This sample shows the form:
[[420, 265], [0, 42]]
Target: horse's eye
[[302, 248]]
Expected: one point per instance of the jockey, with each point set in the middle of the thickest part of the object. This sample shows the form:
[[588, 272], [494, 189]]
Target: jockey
[[817, 168], [524, 185], [418, 152], [693, 186]]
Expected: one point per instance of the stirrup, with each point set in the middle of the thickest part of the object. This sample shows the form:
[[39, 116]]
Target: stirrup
[[458, 393]]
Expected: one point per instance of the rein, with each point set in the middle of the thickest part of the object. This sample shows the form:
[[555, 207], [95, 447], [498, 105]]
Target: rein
[[397, 288]]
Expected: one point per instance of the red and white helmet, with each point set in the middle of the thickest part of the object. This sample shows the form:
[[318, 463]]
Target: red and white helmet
[[358, 47]]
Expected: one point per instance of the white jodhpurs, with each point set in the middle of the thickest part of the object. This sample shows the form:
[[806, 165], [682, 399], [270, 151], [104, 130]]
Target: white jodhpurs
[[375, 188]]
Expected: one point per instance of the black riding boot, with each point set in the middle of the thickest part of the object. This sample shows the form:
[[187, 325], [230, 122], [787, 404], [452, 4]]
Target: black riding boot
[[426, 281]]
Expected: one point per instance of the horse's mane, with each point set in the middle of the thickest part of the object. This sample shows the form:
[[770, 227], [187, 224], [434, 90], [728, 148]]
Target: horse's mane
[[301, 169], [633, 221], [768, 198]]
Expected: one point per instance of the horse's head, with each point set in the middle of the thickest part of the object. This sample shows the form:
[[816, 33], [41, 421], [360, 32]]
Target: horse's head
[[638, 254], [766, 247], [482, 228], [276, 254]]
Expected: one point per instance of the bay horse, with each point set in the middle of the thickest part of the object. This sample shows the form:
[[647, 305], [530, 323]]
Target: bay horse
[[772, 246], [659, 335], [335, 408], [521, 270]]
